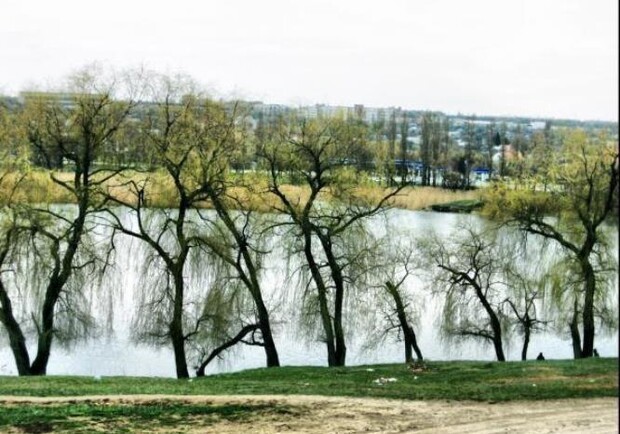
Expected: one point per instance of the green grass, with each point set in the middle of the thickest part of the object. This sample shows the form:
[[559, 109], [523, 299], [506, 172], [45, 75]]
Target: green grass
[[479, 381], [151, 416]]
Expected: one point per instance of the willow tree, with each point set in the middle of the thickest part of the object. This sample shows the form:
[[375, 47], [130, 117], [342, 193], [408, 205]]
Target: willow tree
[[527, 295], [192, 139], [329, 214], [530, 276], [11, 176], [236, 236], [396, 264], [469, 276], [76, 126], [582, 195], [167, 228]]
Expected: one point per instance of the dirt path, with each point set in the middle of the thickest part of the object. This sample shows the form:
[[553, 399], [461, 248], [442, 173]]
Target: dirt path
[[317, 414]]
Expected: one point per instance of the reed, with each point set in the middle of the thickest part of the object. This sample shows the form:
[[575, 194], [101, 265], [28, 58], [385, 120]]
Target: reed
[[160, 192]]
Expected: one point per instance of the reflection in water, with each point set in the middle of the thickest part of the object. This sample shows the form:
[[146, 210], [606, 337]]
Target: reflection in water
[[118, 355]]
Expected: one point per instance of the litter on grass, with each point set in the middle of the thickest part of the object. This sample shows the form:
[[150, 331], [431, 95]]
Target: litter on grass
[[383, 380]]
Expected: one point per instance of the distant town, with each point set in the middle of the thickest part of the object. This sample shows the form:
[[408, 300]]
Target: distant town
[[384, 115], [424, 145]]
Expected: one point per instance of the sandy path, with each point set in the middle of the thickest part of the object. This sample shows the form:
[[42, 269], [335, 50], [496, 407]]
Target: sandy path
[[317, 414]]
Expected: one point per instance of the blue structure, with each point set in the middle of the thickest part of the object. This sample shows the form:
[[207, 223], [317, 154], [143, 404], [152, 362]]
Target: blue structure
[[411, 165], [482, 171]]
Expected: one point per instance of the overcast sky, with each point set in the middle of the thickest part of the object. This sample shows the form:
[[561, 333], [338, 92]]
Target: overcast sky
[[547, 58]]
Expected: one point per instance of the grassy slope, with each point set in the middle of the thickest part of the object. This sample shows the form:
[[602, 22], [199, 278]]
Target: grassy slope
[[157, 416], [481, 381]]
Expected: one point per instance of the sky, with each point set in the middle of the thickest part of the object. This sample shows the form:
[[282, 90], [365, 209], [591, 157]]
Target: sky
[[540, 58]]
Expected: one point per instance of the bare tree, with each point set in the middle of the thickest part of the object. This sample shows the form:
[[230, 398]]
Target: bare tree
[[194, 140], [10, 230], [322, 223], [237, 243], [470, 266], [585, 194], [398, 265], [76, 128], [170, 131], [529, 281]]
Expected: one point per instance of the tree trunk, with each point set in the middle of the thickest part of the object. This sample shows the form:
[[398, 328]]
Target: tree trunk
[[200, 372], [408, 333], [499, 351], [574, 333], [495, 326], [322, 296], [408, 349], [588, 310], [341, 348], [338, 279], [178, 346], [176, 326], [17, 340], [46, 333], [526, 343], [271, 353], [328, 329], [414, 343]]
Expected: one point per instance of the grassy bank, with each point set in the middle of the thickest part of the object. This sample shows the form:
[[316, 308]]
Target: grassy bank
[[149, 416], [458, 206], [454, 381], [479, 381]]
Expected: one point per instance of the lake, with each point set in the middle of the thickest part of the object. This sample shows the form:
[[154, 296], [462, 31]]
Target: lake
[[116, 354]]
